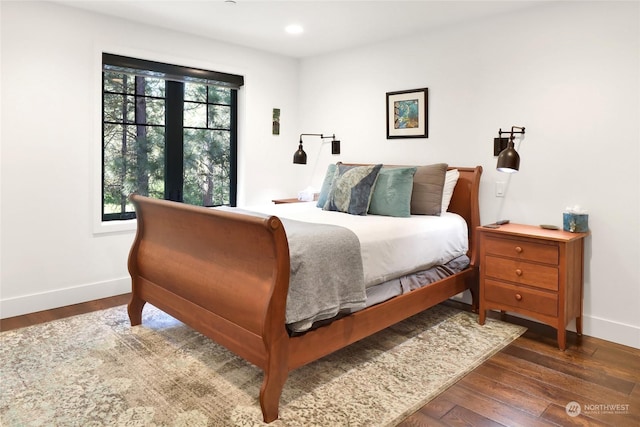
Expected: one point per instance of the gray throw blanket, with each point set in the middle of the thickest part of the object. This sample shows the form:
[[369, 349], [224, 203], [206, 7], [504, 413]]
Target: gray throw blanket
[[326, 273]]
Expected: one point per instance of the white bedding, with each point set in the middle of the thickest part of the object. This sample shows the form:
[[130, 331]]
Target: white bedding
[[391, 247]]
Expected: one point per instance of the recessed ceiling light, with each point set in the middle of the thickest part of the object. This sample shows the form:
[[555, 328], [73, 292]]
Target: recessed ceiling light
[[294, 29]]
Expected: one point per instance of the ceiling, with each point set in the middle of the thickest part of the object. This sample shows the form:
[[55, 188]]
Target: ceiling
[[329, 26]]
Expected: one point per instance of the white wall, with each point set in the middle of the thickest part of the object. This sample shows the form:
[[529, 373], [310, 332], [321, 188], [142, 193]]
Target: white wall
[[50, 144], [567, 72]]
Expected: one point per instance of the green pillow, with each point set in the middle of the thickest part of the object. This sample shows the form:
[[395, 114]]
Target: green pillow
[[351, 189], [392, 193]]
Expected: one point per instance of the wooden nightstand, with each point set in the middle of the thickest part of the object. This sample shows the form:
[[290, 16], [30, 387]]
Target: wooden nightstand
[[291, 200], [532, 271], [280, 201]]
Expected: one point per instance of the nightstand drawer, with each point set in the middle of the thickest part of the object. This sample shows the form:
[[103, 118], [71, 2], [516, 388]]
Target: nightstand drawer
[[520, 249], [537, 275], [521, 298]]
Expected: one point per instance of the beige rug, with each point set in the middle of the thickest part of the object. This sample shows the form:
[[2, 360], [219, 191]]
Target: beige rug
[[96, 370]]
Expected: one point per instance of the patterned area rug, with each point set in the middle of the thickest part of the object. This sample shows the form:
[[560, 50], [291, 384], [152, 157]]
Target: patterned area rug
[[95, 370]]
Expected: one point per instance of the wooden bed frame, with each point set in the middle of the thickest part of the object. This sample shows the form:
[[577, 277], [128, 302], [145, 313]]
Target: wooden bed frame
[[226, 275]]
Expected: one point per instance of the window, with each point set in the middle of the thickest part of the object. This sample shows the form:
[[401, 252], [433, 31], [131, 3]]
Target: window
[[167, 132]]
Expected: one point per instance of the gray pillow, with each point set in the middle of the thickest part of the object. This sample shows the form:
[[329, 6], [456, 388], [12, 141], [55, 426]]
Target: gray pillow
[[392, 193], [426, 197], [351, 189]]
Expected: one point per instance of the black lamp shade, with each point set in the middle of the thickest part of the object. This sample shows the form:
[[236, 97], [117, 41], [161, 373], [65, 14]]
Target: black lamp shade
[[335, 147], [300, 157], [509, 159]]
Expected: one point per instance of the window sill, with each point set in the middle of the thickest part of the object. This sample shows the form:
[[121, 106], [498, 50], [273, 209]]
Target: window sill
[[114, 227]]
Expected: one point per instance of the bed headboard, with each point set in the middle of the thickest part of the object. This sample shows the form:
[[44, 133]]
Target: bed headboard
[[465, 203]]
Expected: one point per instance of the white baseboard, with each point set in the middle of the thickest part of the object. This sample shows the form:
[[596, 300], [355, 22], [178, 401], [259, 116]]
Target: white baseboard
[[610, 330], [25, 304]]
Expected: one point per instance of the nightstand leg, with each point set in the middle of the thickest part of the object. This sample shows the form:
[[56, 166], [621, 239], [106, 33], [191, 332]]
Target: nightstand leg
[[562, 338], [579, 326], [481, 316]]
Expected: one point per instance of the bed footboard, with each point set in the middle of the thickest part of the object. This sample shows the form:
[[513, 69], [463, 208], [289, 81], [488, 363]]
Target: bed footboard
[[224, 274]]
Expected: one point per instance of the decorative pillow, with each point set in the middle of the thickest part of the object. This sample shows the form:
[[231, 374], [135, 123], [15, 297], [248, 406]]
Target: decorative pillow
[[326, 185], [426, 198], [392, 193], [450, 180], [351, 189]]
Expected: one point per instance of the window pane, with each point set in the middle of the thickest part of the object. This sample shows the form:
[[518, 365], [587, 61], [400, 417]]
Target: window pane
[[112, 138], [119, 108], [154, 87], [195, 115], [219, 95], [154, 111], [113, 107], [118, 82], [219, 117], [206, 167], [195, 92], [113, 82], [130, 109]]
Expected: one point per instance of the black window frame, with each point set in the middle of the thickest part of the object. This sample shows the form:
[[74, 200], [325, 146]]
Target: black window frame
[[175, 77]]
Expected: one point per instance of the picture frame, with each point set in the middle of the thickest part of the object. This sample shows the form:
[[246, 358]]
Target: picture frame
[[407, 113]]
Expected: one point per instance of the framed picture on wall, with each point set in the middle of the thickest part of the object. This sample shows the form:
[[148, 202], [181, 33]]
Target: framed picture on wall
[[407, 114]]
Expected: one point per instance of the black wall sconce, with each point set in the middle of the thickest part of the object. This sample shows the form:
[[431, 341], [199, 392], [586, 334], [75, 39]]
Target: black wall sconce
[[508, 159], [300, 157]]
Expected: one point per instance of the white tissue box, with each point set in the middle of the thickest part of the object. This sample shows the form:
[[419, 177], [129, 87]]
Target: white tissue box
[[307, 196]]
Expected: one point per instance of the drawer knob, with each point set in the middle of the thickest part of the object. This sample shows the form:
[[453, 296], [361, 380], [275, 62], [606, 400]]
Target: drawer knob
[[518, 297], [518, 249], [519, 272]]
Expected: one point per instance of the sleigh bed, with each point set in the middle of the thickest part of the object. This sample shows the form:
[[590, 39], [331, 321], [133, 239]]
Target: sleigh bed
[[227, 274]]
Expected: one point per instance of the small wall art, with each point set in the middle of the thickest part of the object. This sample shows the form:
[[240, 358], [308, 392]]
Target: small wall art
[[407, 114], [275, 126]]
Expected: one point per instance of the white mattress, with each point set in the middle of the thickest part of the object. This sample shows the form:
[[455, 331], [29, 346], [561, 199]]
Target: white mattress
[[391, 247]]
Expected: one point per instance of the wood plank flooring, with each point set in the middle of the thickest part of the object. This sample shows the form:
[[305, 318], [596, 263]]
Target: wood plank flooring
[[528, 383], [531, 382]]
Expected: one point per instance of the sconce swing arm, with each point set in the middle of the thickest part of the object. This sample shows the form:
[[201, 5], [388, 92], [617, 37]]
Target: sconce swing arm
[[321, 135], [511, 132]]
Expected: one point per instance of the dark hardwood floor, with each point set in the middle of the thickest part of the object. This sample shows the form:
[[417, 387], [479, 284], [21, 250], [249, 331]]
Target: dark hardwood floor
[[528, 383]]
